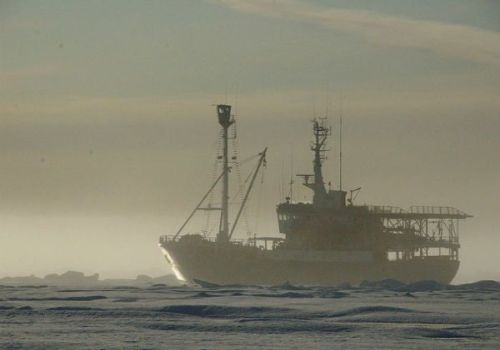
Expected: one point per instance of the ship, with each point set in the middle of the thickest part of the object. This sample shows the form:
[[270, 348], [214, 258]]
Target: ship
[[326, 241]]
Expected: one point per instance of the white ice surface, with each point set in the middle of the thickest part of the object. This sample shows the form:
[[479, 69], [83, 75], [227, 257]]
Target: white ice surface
[[247, 318]]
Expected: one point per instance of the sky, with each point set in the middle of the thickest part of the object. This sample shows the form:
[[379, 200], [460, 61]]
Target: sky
[[108, 132]]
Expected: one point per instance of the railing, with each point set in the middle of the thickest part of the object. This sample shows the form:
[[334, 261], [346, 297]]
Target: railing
[[385, 209], [166, 238], [250, 241], [436, 210], [173, 238], [418, 210]]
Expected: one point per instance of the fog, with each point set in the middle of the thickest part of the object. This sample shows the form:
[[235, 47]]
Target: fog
[[108, 132]]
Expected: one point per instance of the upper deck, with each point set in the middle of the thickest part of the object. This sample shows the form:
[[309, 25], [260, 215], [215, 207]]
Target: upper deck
[[381, 211]]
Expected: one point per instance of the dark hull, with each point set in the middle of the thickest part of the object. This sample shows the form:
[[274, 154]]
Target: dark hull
[[234, 264]]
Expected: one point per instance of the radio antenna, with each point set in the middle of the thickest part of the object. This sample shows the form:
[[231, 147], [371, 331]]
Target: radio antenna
[[340, 143]]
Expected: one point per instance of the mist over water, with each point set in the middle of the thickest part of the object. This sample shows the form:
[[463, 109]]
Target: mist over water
[[85, 206], [125, 247]]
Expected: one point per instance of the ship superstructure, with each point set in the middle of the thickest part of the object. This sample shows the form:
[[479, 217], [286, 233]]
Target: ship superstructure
[[327, 241]]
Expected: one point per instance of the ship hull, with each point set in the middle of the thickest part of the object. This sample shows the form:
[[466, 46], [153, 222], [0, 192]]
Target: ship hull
[[235, 264]]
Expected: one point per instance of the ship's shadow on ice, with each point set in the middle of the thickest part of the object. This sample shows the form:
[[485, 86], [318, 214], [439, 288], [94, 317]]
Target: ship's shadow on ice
[[437, 333]]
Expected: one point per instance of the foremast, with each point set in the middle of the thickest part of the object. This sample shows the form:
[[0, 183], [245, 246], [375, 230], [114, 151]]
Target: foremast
[[225, 120], [225, 231]]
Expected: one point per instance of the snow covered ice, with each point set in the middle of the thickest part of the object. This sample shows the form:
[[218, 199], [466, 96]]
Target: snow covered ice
[[377, 316]]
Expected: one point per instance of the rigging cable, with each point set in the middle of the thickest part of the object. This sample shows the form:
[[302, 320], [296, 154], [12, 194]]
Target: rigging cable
[[259, 201], [238, 174], [207, 229]]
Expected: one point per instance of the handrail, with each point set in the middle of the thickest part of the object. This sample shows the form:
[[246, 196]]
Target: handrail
[[419, 210]]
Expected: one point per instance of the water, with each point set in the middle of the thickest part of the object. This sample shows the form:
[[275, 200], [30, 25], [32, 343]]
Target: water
[[161, 317]]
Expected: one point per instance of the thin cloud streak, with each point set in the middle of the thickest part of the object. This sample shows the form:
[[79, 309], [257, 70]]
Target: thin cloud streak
[[85, 109], [458, 41]]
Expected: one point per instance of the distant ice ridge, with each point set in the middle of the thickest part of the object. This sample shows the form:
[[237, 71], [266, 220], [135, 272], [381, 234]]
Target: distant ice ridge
[[75, 278], [79, 279]]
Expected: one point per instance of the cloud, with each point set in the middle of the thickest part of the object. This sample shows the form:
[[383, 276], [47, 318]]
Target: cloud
[[74, 108], [281, 104], [10, 77], [458, 41]]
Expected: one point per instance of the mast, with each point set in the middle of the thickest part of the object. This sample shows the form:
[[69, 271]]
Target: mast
[[224, 115], [321, 132]]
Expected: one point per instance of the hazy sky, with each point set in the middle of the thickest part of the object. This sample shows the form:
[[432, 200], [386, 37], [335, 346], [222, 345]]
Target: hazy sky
[[108, 131]]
